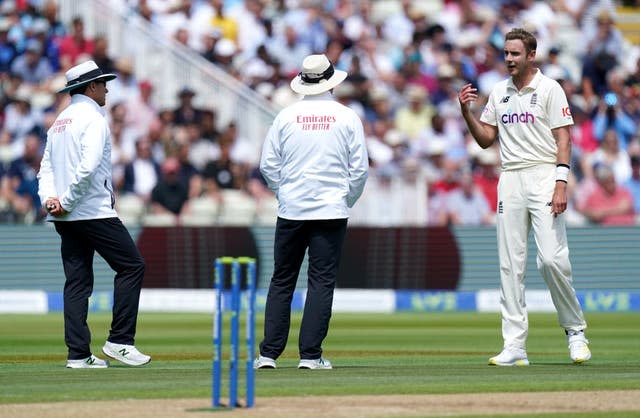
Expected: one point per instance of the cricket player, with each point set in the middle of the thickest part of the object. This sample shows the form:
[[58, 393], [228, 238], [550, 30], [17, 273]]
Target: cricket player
[[530, 115]]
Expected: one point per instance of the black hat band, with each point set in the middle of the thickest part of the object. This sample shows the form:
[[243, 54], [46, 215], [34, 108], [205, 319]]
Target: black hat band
[[315, 78], [84, 77]]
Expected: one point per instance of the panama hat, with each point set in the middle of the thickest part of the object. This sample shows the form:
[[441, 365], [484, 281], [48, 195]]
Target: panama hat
[[317, 76], [83, 74]]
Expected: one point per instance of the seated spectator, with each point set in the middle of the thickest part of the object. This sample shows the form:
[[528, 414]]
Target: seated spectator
[[169, 195], [487, 175], [101, 54], [224, 172], [467, 204], [31, 65], [186, 113], [608, 203], [142, 173], [20, 185], [416, 115], [633, 183], [20, 118], [75, 44], [609, 154], [611, 115], [8, 51]]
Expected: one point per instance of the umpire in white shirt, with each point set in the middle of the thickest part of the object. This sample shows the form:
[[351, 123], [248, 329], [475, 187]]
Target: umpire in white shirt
[[315, 159], [75, 187]]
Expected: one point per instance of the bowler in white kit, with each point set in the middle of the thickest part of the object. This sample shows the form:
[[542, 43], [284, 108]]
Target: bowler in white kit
[[530, 116]]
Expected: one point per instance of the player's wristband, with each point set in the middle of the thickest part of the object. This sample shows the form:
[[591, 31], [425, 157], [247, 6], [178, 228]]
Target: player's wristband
[[562, 172]]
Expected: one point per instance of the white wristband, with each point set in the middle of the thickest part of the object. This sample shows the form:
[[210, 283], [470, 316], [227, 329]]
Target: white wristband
[[562, 172]]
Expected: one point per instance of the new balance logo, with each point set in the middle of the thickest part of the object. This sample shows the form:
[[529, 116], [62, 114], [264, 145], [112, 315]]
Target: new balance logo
[[505, 99], [90, 360], [123, 352]]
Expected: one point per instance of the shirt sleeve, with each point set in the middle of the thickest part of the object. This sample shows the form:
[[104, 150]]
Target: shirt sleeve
[[488, 114], [358, 163], [271, 159], [558, 108], [92, 145], [46, 185]]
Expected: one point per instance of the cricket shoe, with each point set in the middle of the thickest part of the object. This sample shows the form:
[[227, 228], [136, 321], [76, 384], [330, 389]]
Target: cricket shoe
[[262, 362], [91, 362], [510, 357], [127, 354], [579, 348], [319, 363]]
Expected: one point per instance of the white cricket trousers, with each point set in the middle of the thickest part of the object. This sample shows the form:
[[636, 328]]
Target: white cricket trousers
[[524, 198]]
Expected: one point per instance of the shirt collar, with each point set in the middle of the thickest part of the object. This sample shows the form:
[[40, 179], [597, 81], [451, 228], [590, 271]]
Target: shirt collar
[[323, 96], [81, 98], [531, 86]]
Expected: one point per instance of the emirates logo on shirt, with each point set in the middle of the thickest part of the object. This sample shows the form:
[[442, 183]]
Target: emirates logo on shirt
[[315, 122]]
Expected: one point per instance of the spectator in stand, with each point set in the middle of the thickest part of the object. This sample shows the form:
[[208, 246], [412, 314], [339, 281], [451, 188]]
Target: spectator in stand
[[188, 174], [450, 177], [287, 50], [225, 25], [41, 32], [225, 172], [583, 141], [467, 204], [612, 115], [170, 195], [142, 173], [20, 185], [140, 110], [75, 44], [608, 203], [125, 87], [443, 130], [57, 29], [633, 183], [487, 175], [31, 65], [603, 52], [209, 41], [101, 55], [609, 154], [8, 50], [416, 115], [186, 113], [20, 119]]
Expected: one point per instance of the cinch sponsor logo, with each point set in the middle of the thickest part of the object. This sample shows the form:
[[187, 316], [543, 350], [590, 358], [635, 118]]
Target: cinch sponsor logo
[[525, 117]]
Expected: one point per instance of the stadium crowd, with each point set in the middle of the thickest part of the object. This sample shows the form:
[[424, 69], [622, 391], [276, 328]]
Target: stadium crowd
[[406, 62]]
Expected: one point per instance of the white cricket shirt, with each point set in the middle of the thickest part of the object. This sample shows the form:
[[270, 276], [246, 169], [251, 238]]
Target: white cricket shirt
[[315, 159], [76, 165], [525, 119]]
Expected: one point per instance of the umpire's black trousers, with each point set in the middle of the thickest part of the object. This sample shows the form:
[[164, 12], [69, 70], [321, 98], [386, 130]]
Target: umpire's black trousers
[[80, 240], [324, 239]]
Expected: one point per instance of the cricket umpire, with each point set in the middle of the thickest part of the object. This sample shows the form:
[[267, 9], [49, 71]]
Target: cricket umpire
[[315, 159], [75, 186]]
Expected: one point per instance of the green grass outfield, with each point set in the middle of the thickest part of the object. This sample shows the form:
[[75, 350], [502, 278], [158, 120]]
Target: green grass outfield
[[409, 353]]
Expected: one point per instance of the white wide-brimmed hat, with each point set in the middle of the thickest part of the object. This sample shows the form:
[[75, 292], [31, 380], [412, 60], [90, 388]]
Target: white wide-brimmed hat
[[83, 74], [317, 76]]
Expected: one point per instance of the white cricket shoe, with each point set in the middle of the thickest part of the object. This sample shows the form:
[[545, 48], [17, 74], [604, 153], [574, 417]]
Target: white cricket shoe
[[262, 362], [320, 363], [510, 357], [579, 348], [128, 354], [91, 362]]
